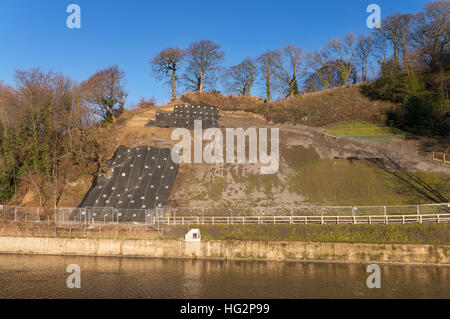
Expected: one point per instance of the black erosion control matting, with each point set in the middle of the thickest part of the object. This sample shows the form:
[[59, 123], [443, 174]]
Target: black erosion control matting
[[139, 179], [185, 115]]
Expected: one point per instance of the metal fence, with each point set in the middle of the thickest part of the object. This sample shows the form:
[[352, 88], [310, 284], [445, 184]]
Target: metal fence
[[106, 215], [308, 211]]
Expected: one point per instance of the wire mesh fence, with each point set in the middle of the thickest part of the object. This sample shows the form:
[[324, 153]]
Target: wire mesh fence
[[107, 215]]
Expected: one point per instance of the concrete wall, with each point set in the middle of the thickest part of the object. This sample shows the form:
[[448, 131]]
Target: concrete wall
[[282, 251]]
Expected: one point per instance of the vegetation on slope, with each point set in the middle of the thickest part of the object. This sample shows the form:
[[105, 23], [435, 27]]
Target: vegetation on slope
[[374, 234], [317, 109], [356, 182], [363, 129]]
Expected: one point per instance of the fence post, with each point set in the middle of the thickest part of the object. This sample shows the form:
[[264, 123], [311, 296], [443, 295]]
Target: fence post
[[438, 219], [37, 212], [15, 214]]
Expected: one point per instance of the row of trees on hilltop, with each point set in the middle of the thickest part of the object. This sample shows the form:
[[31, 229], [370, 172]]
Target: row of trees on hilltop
[[410, 41], [199, 67]]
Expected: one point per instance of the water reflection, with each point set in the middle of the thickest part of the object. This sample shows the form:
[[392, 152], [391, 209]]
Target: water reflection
[[45, 277]]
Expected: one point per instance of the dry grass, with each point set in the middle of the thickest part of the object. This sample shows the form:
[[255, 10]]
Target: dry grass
[[224, 102], [317, 109]]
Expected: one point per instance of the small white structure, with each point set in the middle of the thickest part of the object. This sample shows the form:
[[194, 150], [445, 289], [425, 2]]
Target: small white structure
[[193, 236]]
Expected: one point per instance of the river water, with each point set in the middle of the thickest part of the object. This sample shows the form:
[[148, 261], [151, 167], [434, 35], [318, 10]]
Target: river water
[[25, 276]]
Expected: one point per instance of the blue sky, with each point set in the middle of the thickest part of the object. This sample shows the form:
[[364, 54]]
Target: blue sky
[[129, 33]]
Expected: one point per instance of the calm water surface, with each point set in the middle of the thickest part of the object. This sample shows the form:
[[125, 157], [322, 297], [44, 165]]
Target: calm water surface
[[23, 276]]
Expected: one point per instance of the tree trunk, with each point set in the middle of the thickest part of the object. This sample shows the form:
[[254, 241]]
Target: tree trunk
[[396, 51], [405, 56], [174, 88], [200, 84], [268, 92]]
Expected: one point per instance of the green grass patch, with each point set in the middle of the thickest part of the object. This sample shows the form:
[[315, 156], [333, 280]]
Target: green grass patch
[[376, 234], [363, 129], [343, 182]]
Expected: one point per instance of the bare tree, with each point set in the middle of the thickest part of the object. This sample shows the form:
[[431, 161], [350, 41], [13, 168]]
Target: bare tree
[[363, 52], [105, 91], [291, 66], [240, 78], [432, 40], [395, 28], [266, 64], [324, 67], [203, 62], [431, 35], [405, 37], [324, 76], [343, 51], [380, 50], [166, 64]]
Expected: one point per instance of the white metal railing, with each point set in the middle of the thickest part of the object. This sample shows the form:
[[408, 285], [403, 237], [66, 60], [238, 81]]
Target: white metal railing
[[234, 215], [278, 220]]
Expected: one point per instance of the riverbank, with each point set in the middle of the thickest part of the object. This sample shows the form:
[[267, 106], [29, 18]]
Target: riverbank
[[417, 234], [231, 250]]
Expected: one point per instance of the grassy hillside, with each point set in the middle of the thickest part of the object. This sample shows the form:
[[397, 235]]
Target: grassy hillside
[[344, 182], [304, 179]]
